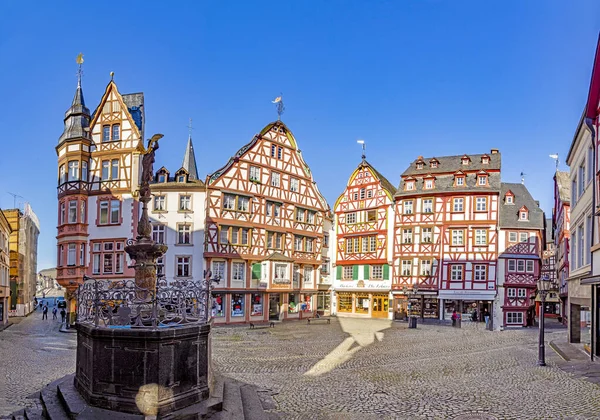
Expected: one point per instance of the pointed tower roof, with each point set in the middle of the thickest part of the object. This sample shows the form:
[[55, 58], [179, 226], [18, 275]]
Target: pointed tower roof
[[77, 118], [189, 160]]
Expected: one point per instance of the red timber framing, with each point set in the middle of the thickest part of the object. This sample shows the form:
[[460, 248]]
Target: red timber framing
[[445, 229], [264, 230], [362, 218]]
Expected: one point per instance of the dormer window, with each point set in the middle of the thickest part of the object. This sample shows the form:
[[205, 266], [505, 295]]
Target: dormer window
[[419, 165], [523, 214], [181, 178], [420, 162], [428, 183], [485, 160], [410, 185], [433, 163], [465, 160], [459, 181], [509, 198], [162, 178], [482, 180]]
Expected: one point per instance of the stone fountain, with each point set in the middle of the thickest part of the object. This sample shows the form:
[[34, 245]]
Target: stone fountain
[[143, 346]]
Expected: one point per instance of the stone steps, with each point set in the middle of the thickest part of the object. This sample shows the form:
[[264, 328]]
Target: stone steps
[[229, 400]]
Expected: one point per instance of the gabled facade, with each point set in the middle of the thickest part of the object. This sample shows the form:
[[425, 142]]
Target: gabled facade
[[364, 217], [177, 213], [264, 231], [520, 245], [445, 239], [98, 178], [560, 233]]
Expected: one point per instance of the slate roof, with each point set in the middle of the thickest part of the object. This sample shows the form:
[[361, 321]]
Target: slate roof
[[563, 182], [135, 106], [509, 213], [189, 160], [454, 163], [278, 256], [77, 119], [548, 228], [444, 175]]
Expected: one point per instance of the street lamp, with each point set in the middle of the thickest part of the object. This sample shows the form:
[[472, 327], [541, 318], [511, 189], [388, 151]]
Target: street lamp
[[543, 286]]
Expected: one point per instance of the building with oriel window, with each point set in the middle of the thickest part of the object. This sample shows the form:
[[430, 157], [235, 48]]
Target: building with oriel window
[[177, 214], [364, 227], [264, 231], [520, 246], [445, 240]]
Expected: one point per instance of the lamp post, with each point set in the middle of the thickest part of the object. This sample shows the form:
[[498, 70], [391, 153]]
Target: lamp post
[[543, 287]]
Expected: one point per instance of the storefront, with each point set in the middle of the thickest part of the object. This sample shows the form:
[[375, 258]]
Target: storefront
[[363, 304], [422, 305], [323, 303]]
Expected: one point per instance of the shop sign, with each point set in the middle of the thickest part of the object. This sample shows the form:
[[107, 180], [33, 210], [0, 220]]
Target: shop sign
[[263, 284], [281, 281], [373, 285]]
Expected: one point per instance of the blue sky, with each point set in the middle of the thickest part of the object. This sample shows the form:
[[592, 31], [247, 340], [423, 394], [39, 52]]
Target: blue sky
[[412, 78]]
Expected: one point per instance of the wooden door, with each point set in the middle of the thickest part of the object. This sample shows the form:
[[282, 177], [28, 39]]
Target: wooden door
[[380, 307]]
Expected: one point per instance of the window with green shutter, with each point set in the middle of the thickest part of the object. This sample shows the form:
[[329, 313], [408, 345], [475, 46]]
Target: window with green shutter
[[355, 272], [339, 269], [256, 271], [386, 272], [367, 273]]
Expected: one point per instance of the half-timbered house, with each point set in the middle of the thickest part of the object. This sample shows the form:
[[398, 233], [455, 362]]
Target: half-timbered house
[[264, 231], [177, 214], [98, 165], [445, 239], [364, 215], [521, 232]]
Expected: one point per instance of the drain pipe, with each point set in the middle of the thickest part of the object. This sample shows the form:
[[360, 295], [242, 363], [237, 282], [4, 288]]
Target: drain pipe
[[589, 122]]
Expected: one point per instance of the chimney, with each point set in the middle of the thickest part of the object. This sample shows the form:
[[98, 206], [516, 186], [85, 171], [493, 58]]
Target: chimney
[[494, 151]]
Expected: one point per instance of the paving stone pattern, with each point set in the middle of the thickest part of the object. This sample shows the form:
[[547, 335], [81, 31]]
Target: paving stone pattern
[[378, 369], [33, 353]]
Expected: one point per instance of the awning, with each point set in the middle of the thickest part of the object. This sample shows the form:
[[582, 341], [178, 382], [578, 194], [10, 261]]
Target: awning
[[467, 294]]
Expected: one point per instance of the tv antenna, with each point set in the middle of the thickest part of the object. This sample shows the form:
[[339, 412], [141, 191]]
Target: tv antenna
[[555, 157], [15, 198]]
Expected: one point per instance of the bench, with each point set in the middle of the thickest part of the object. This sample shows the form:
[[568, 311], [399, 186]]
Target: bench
[[321, 318], [269, 324]]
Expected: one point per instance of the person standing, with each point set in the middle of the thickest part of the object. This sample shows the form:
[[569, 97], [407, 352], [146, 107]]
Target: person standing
[[45, 312], [454, 317], [54, 311], [486, 316], [63, 315]]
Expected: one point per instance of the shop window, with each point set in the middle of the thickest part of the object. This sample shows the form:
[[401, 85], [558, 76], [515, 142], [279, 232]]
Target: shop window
[[362, 304], [293, 303], [323, 301], [257, 304], [514, 318], [344, 302], [237, 304], [218, 307]]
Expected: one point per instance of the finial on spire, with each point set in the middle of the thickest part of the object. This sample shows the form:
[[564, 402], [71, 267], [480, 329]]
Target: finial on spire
[[112, 75], [555, 157], [190, 128], [364, 147], [79, 60], [279, 104], [523, 174]]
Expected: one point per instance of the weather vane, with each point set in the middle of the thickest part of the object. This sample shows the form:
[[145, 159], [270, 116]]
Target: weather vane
[[523, 174], [280, 107], [190, 128], [79, 60], [555, 157], [364, 146]]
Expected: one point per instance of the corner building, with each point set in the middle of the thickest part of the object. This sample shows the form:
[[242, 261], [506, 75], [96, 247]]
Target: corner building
[[264, 231], [364, 224], [445, 239]]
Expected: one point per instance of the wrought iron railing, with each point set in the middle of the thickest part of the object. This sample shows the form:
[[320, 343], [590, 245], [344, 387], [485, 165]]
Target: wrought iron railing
[[122, 304]]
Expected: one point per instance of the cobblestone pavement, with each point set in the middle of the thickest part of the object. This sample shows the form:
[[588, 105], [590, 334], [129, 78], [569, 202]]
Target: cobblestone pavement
[[378, 369], [33, 353]]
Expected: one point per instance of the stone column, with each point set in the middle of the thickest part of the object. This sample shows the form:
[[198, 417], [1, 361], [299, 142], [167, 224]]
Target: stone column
[[574, 330]]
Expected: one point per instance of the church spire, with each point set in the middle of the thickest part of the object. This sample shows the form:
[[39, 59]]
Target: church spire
[[189, 158], [77, 117]]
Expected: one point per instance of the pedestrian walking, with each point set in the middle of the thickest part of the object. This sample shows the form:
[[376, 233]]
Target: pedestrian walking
[[63, 315], [454, 317], [54, 311], [45, 312]]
